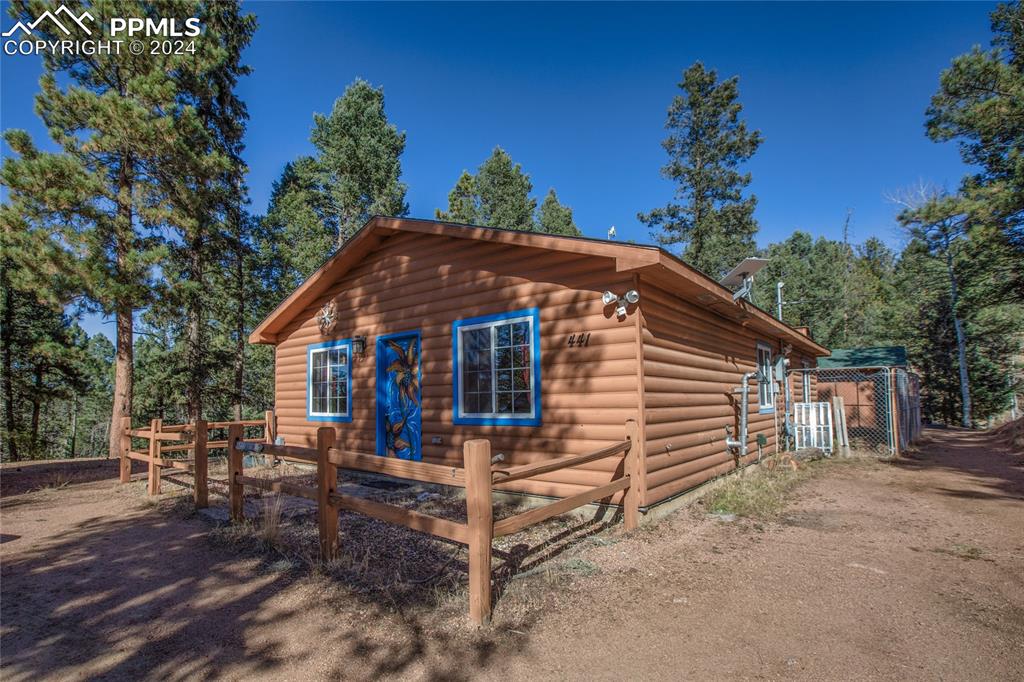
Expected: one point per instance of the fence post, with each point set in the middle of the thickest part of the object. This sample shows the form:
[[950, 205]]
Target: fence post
[[480, 515], [235, 489], [154, 454], [268, 428], [201, 465], [327, 484], [631, 468], [894, 422], [126, 446]]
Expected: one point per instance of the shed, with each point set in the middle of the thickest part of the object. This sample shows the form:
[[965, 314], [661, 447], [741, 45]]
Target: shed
[[418, 335], [880, 396]]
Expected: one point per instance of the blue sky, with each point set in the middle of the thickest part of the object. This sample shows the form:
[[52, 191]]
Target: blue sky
[[577, 94]]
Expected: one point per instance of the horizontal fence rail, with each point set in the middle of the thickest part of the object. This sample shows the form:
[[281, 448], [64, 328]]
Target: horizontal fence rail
[[176, 438], [478, 476]]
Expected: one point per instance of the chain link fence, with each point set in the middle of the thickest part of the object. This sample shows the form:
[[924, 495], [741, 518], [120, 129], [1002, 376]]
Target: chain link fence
[[882, 405], [908, 407]]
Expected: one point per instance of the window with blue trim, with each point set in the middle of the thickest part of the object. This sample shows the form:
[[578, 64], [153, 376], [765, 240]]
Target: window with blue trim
[[765, 392], [329, 383], [497, 369]]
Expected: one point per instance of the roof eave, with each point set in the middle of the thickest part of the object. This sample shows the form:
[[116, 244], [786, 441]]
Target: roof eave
[[722, 294]]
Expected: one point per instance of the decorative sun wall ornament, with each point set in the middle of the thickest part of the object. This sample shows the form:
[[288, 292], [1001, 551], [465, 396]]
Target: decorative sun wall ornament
[[327, 318]]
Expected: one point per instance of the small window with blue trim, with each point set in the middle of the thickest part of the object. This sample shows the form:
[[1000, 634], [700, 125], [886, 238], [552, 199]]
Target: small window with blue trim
[[497, 369], [765, 385], [329, 384]]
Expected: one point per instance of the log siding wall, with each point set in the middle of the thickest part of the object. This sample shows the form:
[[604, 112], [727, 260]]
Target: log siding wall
[[671, 364], [426, 282], [692, 361]]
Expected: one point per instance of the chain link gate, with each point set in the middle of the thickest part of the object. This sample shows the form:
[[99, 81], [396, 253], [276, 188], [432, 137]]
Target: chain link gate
[[881, 404], [908, 406]]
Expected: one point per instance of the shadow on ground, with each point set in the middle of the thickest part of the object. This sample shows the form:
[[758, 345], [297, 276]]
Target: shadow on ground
[[142, 592], [997, 477]]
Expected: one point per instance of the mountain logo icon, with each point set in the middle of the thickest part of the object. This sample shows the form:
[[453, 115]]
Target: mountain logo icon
[[52, 16]]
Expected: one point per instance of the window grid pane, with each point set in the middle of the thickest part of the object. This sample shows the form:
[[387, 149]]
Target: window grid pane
[[496, 369], [329, 382]]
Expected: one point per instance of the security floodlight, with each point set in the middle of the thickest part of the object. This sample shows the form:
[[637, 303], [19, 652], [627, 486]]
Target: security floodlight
[[628, 298]]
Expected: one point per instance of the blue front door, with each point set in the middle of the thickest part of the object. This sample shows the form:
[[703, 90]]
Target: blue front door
[[398, 396]]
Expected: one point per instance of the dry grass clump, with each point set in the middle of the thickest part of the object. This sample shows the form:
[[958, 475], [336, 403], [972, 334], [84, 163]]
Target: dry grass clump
[[962, 551], [58, 480], [405, 571], [270, 521], [758, 494]]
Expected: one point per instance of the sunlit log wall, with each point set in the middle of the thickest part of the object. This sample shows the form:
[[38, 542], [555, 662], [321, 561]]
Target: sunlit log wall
[[672, 364], [426, 282]]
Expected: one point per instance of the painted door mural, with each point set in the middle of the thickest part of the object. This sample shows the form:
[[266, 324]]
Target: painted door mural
[[399, 413]]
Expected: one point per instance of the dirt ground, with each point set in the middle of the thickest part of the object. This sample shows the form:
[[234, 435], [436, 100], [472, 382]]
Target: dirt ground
[[913, 570]]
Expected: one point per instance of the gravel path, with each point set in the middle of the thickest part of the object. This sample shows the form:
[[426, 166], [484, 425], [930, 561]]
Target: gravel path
[[908, 571]]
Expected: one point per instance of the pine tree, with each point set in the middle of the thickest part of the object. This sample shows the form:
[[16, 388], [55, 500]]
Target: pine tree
[[499, 196], [789, 262], [299, 230], [463, 202], [871, 294], [44, 360], [706, 143], [504, 191], [359, 158], [980, 104], [203, 177], [160, 362], [556, 218], [113, 115], [940, 224]]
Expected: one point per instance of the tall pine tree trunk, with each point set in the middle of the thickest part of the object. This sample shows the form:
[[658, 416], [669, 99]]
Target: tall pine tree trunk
[[124, 354], [239, 326], [196, 348], [36, 402], [961, 345], [123, 378], [6, 337], [74, 424]]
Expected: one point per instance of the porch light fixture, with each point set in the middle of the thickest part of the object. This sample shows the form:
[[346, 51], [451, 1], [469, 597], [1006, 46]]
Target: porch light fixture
[[631, 297], [359, 345]]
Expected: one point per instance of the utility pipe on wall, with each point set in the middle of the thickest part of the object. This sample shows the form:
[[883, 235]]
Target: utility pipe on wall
[[741, 442]]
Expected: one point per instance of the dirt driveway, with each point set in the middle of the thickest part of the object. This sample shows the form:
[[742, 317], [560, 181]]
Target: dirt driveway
[[874, 571]]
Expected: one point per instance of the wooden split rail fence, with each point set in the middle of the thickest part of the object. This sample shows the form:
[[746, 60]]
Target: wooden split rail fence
[[479, 476], [163, 441]]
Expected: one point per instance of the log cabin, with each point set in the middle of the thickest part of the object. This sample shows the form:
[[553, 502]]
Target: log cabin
[[418, 335]]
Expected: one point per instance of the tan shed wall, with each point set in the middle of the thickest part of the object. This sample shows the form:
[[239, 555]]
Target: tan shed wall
[[692, 360], [426, 282]]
